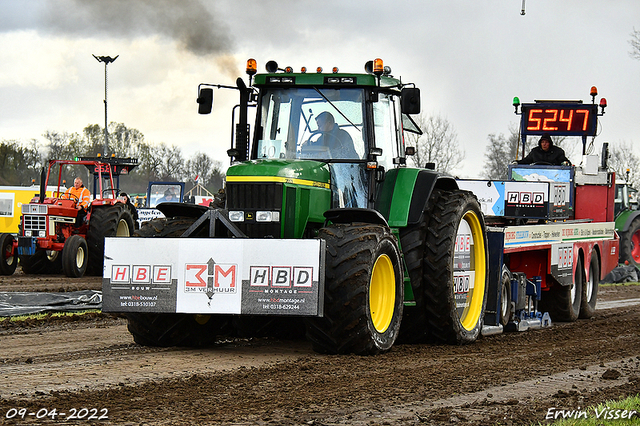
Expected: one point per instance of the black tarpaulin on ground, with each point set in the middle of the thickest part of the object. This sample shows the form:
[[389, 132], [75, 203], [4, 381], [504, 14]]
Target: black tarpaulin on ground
[[623, 274], [14, 303]]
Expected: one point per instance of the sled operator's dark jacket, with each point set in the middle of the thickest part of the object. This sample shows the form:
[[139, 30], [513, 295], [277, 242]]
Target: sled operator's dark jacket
[[554, 156]]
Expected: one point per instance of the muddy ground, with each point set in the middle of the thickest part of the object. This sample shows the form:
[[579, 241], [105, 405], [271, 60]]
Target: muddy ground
[[508, 379]]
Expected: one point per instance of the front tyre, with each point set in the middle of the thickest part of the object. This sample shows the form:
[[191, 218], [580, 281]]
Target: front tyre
[[42, 262], [364, 291], [177, 329], [152, 329], [8, 261], [74, 257], [455, 268]]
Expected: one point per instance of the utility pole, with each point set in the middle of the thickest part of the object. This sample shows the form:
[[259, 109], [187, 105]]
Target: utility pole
[[107, 60]]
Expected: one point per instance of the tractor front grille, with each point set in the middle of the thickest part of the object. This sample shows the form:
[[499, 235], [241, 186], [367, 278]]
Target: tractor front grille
[[35, 223], [251, 198]]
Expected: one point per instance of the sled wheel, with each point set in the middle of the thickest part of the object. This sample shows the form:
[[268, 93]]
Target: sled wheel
[[455, 268], [505, 297], [106, 221], [8, 260], [74, 257], [363, 291], [563, 302], [590, 288], [177, 329], [630, 243]]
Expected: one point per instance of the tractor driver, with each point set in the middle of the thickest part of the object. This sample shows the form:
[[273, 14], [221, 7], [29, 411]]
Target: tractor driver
[[546, 152], [81, 196], [337, 140]]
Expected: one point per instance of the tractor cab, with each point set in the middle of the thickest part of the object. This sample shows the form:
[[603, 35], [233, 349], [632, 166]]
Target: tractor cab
[[349, 125]]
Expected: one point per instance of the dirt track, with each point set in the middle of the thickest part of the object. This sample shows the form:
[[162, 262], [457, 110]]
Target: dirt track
[[503, 379]]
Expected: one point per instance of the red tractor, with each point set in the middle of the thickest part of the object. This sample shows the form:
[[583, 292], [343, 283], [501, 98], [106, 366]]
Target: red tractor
[[56, 236]]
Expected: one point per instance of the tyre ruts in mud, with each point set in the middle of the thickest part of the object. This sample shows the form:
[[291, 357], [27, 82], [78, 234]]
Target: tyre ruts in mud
[[8, 261], [364, 291], [563, 302], [106, 221], [175, 329], [455, 268]]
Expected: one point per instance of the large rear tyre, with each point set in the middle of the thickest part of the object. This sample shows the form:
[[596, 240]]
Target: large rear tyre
[[630, 244], [364, 291], [590, 289], [106, 221], [563, 302], [74, 257], [455, 268], [42, 262], [177, 329], [8, 261]]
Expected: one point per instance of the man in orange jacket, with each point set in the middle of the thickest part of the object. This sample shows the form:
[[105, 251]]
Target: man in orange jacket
[[81, 196]]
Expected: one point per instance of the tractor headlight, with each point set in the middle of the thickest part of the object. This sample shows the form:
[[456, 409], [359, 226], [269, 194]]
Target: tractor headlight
[[27, 233], [236, 216], [263, 216], [42, 234]]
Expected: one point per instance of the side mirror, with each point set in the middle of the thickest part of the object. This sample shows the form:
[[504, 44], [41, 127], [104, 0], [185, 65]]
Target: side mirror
[[205, 101], [410, 101]]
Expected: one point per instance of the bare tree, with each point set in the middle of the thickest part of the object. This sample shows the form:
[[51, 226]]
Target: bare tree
[[635, 44], [438, 144], [621, 159], [500, 152]]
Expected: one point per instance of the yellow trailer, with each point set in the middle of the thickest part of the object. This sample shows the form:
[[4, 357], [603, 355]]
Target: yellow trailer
[[11, 200]]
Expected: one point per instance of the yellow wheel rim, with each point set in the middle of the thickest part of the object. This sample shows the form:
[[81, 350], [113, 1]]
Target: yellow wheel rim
[[382, 293], [476, 272]]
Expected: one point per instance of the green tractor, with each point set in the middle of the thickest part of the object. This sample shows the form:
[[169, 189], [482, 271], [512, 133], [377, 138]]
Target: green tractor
[[627, 221], [402, 252]]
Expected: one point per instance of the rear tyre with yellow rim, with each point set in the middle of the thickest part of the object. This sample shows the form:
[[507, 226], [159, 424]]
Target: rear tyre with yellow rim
[[364, 291], [455, 268]]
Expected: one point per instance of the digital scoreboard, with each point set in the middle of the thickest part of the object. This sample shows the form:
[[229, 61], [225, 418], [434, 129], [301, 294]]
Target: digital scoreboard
[[560, 119]]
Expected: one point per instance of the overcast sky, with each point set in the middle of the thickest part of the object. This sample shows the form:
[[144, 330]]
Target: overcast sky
[[468, 57]]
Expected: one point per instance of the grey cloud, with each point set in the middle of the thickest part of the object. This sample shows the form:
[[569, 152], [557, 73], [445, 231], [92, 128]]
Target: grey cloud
[[188, 22]]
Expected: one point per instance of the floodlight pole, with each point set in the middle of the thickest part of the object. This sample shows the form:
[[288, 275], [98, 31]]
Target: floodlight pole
[[107, 60]]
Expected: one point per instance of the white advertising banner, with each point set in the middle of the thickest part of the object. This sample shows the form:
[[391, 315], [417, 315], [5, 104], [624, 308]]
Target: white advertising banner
[[214, 276]]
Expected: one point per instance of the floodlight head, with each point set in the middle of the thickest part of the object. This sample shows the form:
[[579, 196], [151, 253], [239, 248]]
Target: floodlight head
[[105, 59]]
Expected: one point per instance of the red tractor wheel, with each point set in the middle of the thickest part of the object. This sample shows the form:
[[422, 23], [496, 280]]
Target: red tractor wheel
[[8, 261]]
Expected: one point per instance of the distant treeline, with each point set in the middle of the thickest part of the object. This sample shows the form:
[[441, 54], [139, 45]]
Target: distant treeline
[[21, 162]]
